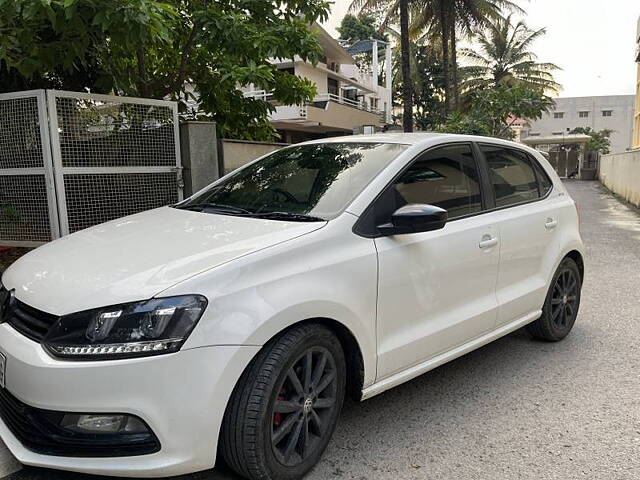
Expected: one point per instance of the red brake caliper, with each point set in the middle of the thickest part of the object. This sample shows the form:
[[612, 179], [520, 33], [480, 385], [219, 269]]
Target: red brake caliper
[[277, 417]]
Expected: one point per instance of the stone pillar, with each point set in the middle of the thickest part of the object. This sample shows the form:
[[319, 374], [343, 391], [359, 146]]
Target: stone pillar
[[199, 150]]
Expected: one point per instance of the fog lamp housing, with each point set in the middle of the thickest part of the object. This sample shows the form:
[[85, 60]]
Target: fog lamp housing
[[104, 424]]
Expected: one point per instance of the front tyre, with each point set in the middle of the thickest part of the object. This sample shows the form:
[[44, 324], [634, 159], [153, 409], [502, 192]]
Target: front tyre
[[561, 305], [285, 406]]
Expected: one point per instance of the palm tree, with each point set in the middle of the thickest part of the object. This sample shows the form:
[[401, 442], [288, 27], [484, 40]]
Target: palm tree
[[407, 86], [504, 58], [444, 19]]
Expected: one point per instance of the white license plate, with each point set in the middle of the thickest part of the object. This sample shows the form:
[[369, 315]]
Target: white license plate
[[3, 370]]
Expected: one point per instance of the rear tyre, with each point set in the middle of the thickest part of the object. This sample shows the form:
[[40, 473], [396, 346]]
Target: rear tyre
[[285, 406], [561, 305]]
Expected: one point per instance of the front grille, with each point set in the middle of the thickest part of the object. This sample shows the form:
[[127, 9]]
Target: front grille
[[29, 321], [39, 431]]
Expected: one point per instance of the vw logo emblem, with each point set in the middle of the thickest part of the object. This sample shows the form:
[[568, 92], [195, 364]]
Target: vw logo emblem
[[7, 299]]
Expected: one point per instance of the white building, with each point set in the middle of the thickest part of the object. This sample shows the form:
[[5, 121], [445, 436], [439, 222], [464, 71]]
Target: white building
[[348, 100], [612, 112]]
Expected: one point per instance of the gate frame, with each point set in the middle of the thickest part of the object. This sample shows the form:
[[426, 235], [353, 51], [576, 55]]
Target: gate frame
[[46, 170], [60, 170]]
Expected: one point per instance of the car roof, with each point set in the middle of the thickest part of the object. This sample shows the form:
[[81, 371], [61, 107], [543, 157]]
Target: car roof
[[390, 137], [420, 138]]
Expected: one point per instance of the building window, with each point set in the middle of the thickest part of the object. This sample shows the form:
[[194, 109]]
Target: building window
[[534, 134], [332, 86], [607, 113], [558, 114], [558, 133], [583, 114]]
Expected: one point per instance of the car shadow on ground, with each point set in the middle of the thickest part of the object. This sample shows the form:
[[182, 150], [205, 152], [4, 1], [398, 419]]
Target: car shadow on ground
[[440, 398]]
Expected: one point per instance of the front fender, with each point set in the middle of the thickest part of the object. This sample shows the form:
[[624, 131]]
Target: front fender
[[330, 273]]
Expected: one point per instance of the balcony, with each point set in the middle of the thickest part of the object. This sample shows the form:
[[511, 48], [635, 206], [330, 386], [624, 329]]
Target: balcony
[[327, 112]]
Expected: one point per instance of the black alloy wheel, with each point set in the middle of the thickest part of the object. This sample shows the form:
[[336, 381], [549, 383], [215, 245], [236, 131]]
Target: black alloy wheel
[[304, 406], [286, 405], [561, 304]]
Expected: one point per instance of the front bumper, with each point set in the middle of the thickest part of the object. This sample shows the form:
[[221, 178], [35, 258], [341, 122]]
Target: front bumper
[[181, 397]]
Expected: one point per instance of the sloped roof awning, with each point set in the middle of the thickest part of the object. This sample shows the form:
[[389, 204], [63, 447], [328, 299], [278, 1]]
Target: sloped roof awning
[[364, 46]]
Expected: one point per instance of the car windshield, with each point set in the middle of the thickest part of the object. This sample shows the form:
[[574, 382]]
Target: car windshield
[[300, 183]]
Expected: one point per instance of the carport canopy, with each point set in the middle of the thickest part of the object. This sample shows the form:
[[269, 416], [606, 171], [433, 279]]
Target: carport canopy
[[570, 139]]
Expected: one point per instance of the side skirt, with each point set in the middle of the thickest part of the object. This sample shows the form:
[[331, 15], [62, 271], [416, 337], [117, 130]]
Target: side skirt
[[417, 370]]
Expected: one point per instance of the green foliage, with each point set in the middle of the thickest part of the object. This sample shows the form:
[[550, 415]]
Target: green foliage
[[493, 110], [361, 27], [164, 48], [600, 140], [10, 214], [466, 124]]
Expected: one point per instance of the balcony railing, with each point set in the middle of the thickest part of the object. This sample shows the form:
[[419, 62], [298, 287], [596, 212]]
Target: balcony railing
[[322, 97]]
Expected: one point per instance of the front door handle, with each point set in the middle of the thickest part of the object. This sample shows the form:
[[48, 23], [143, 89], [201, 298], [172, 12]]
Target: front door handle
[[550, 224], [488, 241]]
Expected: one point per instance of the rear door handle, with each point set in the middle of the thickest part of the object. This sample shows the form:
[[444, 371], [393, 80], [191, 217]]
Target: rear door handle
[[551, 224], [488, 242]]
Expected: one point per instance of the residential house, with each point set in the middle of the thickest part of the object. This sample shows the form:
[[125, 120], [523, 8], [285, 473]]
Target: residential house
[[349, 99]]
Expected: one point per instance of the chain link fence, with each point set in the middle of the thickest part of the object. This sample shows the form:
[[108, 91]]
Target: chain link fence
[[71, 160]]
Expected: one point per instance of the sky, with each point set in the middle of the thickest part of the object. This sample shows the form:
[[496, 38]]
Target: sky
[[592, 41]]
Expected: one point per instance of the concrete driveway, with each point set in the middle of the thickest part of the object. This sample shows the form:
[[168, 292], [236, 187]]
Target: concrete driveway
[[515, 409]]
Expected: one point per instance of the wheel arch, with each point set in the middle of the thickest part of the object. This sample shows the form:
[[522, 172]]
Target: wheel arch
[[576, 256], [351, 347]]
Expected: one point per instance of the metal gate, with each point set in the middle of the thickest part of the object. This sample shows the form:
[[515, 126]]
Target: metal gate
[[564, 162], [28, 213], [99, 157]]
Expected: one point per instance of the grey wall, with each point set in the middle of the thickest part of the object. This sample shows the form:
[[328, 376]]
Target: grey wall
[[621, 119]]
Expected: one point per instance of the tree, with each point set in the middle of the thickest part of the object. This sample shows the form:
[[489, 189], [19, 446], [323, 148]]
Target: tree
[[195, 50], [600, 140], [407, 87], [443, 19], [493, 111], [361, 27], [504, 58]]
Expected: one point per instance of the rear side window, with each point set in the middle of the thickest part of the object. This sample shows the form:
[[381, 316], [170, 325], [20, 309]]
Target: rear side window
[[512, 176], [446, 177], [544, 181]]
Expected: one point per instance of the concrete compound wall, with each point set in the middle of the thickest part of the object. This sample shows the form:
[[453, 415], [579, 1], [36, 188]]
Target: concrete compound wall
[[240, 152], [620, 173]]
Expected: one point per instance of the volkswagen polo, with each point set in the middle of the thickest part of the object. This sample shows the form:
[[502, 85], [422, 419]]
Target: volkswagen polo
[[233, 324]]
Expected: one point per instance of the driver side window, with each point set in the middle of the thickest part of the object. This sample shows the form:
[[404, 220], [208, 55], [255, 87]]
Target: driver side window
[[446, 177]]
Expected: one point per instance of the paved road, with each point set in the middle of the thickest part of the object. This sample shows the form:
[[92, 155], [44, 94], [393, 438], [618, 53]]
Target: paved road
[[515, 409]]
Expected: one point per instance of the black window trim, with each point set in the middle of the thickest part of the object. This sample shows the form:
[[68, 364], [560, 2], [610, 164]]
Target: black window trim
[[489, 185], [486, 187], [480, 165]]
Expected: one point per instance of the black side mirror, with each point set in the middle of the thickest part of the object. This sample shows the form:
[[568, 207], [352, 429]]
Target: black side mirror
[[414, 218]]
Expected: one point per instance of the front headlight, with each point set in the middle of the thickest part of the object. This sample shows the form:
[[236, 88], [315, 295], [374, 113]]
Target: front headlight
[[152, 327]]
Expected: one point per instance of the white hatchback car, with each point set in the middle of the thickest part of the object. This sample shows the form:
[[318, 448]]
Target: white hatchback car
[[235, 322]]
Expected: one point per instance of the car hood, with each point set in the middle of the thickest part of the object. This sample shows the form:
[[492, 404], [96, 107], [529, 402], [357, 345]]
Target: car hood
[[137, 257]]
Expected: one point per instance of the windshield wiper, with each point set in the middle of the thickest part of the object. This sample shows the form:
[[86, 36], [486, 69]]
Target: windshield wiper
[[216, 207], [292, 217]]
